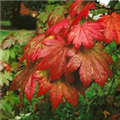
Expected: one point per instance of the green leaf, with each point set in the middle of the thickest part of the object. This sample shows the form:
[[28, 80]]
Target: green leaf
[[21, 37], [5, 77], [4, 55], [43, 16]]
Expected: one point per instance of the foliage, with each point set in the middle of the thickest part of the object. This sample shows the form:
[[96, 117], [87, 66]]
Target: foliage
[[69, 59], [7, 103], [9, 56], [15, 37], [60, 35], [4, 33]]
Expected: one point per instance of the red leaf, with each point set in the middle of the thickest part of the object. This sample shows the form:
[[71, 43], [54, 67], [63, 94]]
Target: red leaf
[[84, 12], [44, 86], [19, 80], [111, 24], [26, 80], [93, 63], [71, 95], [60, 90], [30, 88], [56, 95], [32, 49], [71, 52], [23, 9], [85, 71], [55, 61], [56, 28], [85, 34], [76, 7]]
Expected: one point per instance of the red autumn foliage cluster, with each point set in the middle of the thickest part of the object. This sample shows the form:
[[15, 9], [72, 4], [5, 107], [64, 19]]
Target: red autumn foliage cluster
[[25, 11], [69, 56]]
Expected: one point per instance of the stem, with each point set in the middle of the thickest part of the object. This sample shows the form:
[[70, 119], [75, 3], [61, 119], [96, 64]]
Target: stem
[[112, 7], [110, 88], [113, 80]]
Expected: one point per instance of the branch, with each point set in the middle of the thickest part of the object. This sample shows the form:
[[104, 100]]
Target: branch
[[112, 7], [116, 10]]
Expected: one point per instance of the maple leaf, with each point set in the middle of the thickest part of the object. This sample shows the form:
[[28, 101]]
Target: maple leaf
[[84, 12], [32, 49], [70, 94], [60, 90], [85, 34], [111, 25], [56, 28], [76, 7], [19, 79], [44, 86], [92, 63], [21, 37], [54, 61], [30, 87], [56, 95], [27, 80]]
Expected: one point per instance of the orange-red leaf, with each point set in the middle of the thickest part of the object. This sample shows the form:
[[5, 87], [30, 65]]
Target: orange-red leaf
[[56, 28], [76, 7], [44, 86], [60, 90], [92, 63], [55, 57], [32, 49], [85, 34], [71, 95], [30, 88], [84, 12], [27, 80], [20, 79], [111, 24], [56, 95]]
